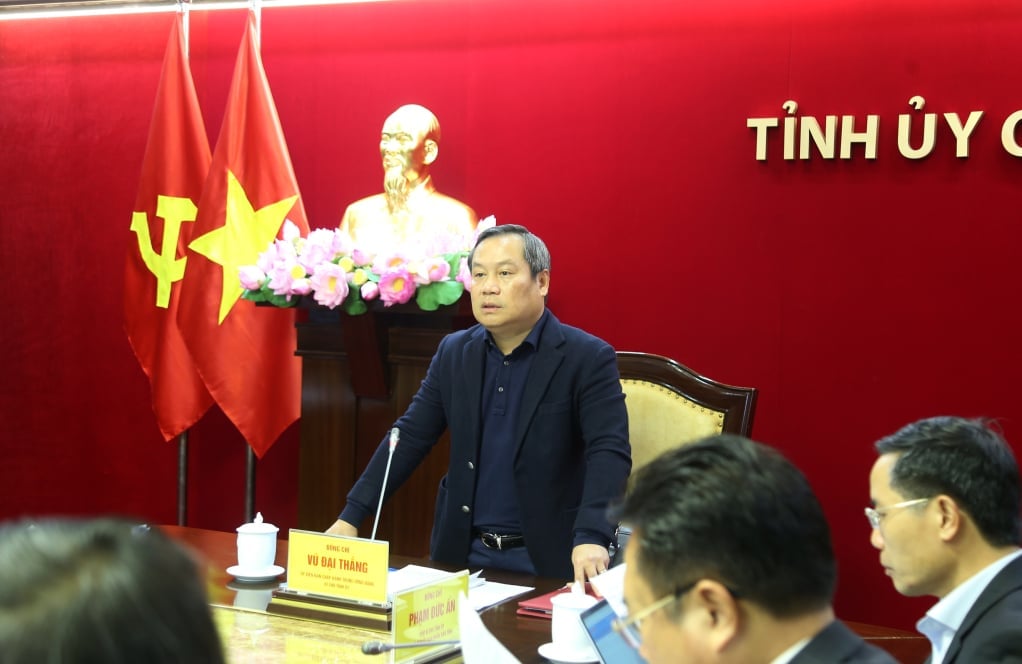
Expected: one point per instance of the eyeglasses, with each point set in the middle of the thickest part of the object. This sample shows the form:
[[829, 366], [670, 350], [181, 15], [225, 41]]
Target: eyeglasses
[[629, 626], [874, 515]]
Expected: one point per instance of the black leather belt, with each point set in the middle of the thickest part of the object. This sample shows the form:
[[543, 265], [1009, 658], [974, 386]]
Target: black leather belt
[[500, 542]]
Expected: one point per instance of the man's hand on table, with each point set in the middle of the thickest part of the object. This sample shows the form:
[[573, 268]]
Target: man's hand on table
[[588, 561], [342, 528]]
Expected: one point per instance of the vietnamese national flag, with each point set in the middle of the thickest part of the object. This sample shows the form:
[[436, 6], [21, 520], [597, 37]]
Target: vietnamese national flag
[[174, 169], [244, 353]]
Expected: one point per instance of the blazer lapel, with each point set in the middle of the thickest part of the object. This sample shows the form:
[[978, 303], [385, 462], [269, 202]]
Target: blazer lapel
[[1006, 581], [544, 365], [472, 379]]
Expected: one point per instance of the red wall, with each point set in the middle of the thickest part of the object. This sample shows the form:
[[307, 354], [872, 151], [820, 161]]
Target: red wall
[[856, 294]]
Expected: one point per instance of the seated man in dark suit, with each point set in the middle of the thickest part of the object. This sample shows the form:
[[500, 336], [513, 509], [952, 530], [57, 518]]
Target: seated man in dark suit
[[945, 519], [730, 560], [101, 590]]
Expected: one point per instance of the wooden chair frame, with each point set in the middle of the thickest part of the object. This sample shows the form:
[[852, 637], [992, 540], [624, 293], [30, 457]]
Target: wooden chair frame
[[738, 404]]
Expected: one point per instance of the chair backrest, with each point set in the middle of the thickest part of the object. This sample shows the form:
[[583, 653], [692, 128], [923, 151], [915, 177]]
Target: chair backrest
[[670, 405]]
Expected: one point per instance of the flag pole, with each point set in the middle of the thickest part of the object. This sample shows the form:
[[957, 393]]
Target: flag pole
[[257, 12], [249, 152], [182, 478], [183, 7], [250, 465], [250, 480], [182, 439]]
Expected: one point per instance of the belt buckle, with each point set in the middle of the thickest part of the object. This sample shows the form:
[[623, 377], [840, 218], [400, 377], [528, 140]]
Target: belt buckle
[[493, 541]]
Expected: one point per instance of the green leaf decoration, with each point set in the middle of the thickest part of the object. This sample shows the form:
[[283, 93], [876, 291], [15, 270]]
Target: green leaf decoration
[[356, 308], [432, 296], [454, 260], [282, 300], [426, 298], [449, 291], [253, 296], [354, 305]]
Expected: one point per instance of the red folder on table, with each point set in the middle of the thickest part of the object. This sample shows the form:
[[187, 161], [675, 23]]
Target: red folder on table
[[541, 607]]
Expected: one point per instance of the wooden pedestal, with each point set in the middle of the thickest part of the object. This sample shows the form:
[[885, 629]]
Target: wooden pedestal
[[359, 373]]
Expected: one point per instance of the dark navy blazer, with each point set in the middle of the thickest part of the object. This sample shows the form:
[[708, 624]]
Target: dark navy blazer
[[572, 455], [992, 630], [836, 644]]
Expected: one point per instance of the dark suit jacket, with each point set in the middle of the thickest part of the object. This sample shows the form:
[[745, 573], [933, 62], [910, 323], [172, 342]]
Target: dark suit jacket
[[837, 644], [992, 630], [572, 453]]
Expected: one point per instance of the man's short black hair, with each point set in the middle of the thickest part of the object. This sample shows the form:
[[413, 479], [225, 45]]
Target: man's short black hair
[[965, 459], [736, 511]]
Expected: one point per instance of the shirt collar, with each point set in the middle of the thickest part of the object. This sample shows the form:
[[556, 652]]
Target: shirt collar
[[535, 334], [790, 653], [946, 616]]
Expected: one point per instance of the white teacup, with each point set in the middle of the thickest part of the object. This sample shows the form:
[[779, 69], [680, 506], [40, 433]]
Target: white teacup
[[257, 545], [566, 628]]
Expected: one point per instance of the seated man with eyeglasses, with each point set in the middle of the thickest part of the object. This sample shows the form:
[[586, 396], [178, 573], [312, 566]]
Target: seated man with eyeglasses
[[730, 560], [945, 519]]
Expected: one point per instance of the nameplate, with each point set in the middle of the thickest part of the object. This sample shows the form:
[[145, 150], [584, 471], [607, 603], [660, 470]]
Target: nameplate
[[348, 568], [428, 613]]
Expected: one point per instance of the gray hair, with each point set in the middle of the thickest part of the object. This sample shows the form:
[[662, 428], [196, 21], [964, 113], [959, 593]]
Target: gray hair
[[537, 256]]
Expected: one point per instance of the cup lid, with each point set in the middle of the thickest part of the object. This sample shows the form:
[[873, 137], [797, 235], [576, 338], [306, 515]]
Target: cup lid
[[257, 526]]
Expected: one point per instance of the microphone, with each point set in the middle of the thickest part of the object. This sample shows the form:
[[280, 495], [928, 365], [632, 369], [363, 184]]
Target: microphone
[[379, 647], [394, 435]]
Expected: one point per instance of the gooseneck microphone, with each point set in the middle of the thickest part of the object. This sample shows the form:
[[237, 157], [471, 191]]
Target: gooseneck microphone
[[379, 647], [394, 434]]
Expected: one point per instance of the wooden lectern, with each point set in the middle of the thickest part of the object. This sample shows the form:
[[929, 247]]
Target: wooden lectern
[[359, 373]]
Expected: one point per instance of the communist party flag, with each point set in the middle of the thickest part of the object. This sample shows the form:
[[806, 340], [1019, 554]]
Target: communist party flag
[[174, 169], [244, 353]]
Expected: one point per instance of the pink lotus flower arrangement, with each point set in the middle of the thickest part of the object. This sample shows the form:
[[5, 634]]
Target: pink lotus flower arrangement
[[326, 266]]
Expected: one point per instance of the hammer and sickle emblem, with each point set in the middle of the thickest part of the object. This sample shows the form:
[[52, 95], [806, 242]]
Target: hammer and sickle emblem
[[165, 265]]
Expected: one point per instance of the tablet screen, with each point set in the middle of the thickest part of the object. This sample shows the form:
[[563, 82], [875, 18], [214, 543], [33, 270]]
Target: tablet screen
[[598, 621]]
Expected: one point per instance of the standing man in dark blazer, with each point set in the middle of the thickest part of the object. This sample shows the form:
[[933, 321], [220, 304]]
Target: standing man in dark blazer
[[539, 430], [945, 519], [730, 560]]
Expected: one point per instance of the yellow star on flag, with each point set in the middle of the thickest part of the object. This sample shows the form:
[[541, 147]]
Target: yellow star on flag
[[245, 234]]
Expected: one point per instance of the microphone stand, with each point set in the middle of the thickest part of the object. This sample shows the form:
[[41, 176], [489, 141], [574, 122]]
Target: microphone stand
[[394, 434], [379, 647]]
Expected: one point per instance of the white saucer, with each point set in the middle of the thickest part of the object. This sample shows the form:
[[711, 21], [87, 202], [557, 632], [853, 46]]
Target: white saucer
[[556, 654], [252, 576]]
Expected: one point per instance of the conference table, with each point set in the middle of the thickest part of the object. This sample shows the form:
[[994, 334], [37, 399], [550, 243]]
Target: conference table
[[251, 635]]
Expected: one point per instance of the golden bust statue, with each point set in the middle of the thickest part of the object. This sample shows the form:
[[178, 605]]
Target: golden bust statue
[[410, 206]]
